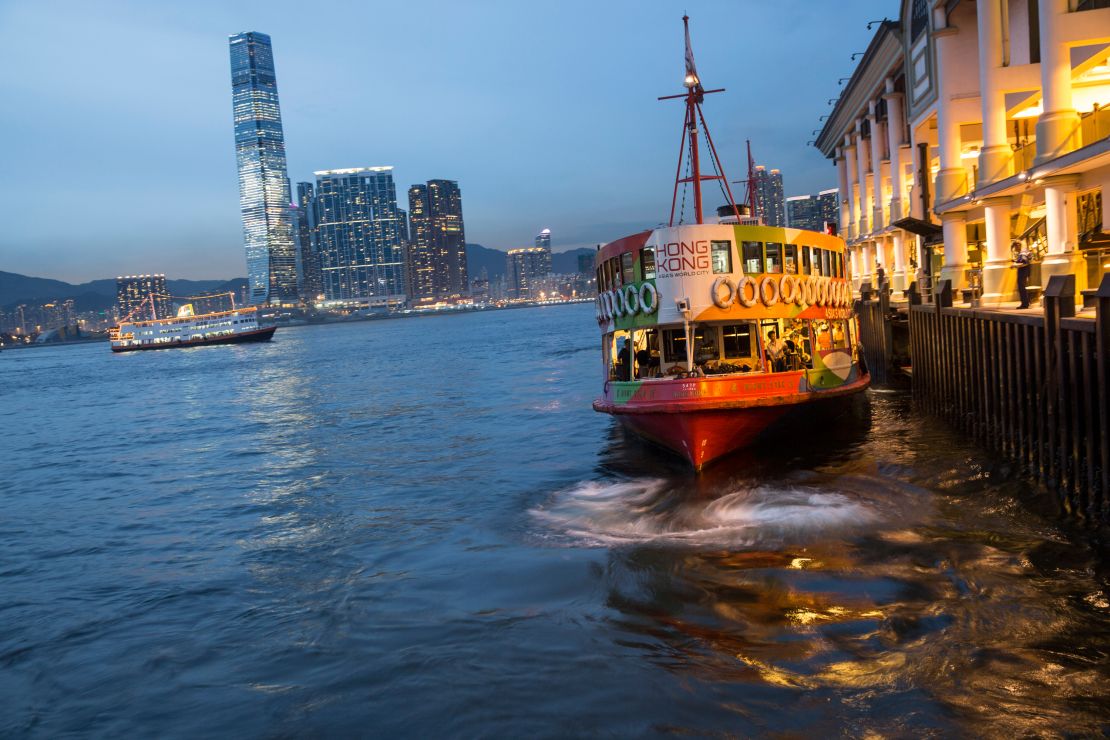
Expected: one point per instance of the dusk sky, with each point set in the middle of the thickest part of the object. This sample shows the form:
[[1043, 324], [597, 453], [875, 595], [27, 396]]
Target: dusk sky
[[116, 117]]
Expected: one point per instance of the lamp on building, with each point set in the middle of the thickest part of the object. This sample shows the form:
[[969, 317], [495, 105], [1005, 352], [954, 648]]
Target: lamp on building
[[858, 54], [872, 23]]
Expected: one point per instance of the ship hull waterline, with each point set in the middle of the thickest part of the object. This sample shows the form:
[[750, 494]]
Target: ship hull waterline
[[258, 335], [701, 433]]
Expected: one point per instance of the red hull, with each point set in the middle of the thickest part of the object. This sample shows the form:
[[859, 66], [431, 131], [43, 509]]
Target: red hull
[[702, 431]]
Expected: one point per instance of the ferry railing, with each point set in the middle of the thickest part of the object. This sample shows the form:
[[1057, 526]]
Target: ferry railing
[[1033, 387]]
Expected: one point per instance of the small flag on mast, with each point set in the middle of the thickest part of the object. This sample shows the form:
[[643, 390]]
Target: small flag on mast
[[692, 80]]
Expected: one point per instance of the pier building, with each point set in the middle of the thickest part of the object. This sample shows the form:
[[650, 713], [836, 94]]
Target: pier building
[[969, 131]]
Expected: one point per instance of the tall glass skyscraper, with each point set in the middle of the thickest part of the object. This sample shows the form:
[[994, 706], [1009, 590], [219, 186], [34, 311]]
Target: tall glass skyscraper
[[770, 206], [303, 215], [437, 242], [359, 232], [264, 196]]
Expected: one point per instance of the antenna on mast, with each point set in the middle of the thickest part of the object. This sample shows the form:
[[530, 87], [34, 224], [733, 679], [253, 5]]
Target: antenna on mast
[[694, 96]]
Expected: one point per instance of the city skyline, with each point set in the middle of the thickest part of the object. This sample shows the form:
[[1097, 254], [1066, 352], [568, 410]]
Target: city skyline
[[189, 225]]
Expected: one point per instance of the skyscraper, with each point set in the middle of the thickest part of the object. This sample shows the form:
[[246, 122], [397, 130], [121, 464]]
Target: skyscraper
[[263, 183], [769, 204], [132, 291], [359, 234], [526, 271], [437, 242], [303, 219], [543, 239], [813, 211]]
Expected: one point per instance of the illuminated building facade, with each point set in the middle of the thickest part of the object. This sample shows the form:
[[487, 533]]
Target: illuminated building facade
[[133, 290], [526, 271], [437, 242], [770, 205], [970, 131], [358, 234], [264, 196], [311, 285]]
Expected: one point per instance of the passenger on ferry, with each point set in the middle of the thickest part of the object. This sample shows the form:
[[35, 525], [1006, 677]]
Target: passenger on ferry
[[776, 350]]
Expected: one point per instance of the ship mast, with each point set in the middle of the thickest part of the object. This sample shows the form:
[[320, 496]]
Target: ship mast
[[694, 96]]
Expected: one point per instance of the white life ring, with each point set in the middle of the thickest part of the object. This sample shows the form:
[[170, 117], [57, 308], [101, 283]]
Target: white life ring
[[631, 300], [845, 295], [646, 306], [619, 309], [788, 289], [740, 293], [823, 293], [763, 284], [604, 306], [718, 301]]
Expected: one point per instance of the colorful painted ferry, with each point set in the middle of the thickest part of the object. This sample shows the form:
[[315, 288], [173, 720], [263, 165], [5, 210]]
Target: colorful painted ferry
[[712, 333], [188, 329]]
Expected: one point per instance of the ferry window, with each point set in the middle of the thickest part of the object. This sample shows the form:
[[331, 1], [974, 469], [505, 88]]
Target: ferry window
[[839, 334], [774, 257], [838, 264], [600, 281], [674, 345], [626, 268], [806, 260], [752, 253], [721, 253], [826, 262], [603, 271], [615, 271], [647, 263], [817, 260], [737, 341], [705, 344], [791, 262]]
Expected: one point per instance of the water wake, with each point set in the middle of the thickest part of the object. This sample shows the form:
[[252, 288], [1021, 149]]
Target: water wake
[[655, 510]]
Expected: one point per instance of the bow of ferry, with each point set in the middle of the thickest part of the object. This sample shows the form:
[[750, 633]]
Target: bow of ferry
[[712, 333]]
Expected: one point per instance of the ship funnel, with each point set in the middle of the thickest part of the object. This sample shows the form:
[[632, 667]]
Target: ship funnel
[[726, 214]]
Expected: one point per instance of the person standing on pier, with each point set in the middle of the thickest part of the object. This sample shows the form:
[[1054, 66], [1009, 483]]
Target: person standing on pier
[[1023, 260]]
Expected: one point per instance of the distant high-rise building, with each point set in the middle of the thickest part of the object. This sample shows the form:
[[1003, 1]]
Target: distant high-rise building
[[769, 204], [437, 242], [526, 271], [264, 196], [586, 264], [813, 211], [132, 291], [303, 219], [543, 239], [358, 234]]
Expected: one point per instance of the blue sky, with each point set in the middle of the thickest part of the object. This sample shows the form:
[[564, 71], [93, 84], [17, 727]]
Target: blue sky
[[117, 135]]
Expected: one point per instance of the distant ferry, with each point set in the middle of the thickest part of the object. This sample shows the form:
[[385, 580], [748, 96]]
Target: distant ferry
[[188, 329], [712, 333]]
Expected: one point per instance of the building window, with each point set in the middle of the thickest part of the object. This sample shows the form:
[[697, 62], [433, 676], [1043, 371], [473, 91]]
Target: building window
[[721, 254], [752, 253], [774, 257], [647, 263]]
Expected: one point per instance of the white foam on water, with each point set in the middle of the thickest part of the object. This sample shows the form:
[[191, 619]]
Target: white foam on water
[[644, 510]]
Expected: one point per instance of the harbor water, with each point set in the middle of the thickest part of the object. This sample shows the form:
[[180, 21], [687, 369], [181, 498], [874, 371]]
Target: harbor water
[[420, 528]]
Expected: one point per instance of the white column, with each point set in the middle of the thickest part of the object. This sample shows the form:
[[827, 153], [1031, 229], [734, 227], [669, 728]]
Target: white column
[[1063, 258], [851, 195], [951, 181], [955, 249], [996, 156], [876, 168], [861, 165], [999, 279], [845, 195], [1057, 127], [867, 264], [898, 281], [894, 132]]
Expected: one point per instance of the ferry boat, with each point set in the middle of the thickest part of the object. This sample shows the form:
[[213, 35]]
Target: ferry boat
[[188, 329], [713, 333]]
